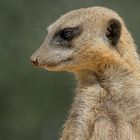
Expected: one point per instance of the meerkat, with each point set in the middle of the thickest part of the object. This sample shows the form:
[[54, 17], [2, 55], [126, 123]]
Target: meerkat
[[95, 45]]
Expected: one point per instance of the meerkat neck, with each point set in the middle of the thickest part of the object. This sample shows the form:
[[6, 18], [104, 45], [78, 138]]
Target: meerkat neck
[[88, 78]]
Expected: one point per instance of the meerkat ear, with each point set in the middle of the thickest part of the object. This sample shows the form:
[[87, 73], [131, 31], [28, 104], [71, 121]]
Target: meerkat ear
[[113, 31]]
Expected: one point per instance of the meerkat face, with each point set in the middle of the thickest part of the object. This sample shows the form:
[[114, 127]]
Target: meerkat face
[[78, 39]]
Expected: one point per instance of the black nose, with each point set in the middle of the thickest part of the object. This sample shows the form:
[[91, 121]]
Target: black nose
[[34, 61]]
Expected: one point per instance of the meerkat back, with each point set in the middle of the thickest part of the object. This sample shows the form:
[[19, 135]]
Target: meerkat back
[[95, 45]]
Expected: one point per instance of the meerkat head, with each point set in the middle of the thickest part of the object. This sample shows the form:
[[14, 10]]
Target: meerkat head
[[83, 39]]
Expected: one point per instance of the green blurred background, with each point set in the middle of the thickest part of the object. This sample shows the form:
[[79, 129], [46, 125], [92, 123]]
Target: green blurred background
[[34, 102]]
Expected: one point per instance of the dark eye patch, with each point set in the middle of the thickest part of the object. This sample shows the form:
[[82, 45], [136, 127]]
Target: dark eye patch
[[64, 36], [67, 34]]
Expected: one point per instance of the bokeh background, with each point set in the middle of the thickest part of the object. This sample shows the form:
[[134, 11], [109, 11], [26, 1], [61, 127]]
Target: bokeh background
[[34, 102]]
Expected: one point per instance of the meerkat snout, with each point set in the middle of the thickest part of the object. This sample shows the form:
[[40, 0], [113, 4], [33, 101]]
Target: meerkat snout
[[34, 61]]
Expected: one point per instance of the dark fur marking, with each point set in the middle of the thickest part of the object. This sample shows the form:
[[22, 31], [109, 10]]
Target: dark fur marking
[[114, 31], [65, 41]]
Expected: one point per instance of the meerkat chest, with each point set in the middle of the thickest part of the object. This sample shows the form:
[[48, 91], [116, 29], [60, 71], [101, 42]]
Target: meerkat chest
[[97, 103]]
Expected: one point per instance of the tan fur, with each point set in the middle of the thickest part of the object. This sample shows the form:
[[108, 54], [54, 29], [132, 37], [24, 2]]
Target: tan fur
[[107, 101]]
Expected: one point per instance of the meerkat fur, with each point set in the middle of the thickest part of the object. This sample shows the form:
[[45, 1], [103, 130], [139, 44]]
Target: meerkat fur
[[95, 45]]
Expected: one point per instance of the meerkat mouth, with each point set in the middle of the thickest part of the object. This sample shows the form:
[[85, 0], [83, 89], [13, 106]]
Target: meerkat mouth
[[59, 65]]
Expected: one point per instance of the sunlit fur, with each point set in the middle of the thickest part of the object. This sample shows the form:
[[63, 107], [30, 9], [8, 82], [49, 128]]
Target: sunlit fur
[[107, 100]]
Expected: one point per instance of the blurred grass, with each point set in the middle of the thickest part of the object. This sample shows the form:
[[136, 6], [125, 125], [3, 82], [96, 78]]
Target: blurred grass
[[33, 102]]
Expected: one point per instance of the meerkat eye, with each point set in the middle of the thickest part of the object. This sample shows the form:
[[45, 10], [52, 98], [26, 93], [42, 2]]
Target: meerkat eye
[[64, 36], [67, 34]]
